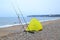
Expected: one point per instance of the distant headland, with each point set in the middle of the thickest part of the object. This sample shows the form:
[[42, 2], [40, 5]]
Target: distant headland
[[44, 15]]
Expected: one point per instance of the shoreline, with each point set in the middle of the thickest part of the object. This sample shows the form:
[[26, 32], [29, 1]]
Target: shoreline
[[5, 26]]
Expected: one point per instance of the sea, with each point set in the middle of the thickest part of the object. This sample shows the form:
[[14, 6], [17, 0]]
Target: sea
[[10, 21]]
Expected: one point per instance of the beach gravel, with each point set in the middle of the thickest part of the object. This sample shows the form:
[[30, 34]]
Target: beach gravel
[[51, 31]]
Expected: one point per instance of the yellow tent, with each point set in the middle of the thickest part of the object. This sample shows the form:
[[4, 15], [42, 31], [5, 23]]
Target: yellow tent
[[34, 25]]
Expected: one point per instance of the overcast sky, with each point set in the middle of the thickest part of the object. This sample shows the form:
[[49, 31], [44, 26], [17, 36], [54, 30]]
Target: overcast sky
[[8, 8]]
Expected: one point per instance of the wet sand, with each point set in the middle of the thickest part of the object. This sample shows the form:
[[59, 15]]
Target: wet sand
[[51, 31]]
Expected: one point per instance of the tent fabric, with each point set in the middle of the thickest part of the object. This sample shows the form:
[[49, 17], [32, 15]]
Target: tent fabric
[[34, 25]]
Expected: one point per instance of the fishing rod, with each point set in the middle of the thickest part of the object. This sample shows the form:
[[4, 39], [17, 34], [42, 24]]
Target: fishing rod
[[21, 14], [16, 13], [23, 18]]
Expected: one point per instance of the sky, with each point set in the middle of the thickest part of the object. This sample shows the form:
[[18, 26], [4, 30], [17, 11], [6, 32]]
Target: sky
[[8, 8]]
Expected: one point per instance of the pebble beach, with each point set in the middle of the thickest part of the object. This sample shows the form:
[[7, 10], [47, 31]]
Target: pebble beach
[[51, 31]]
